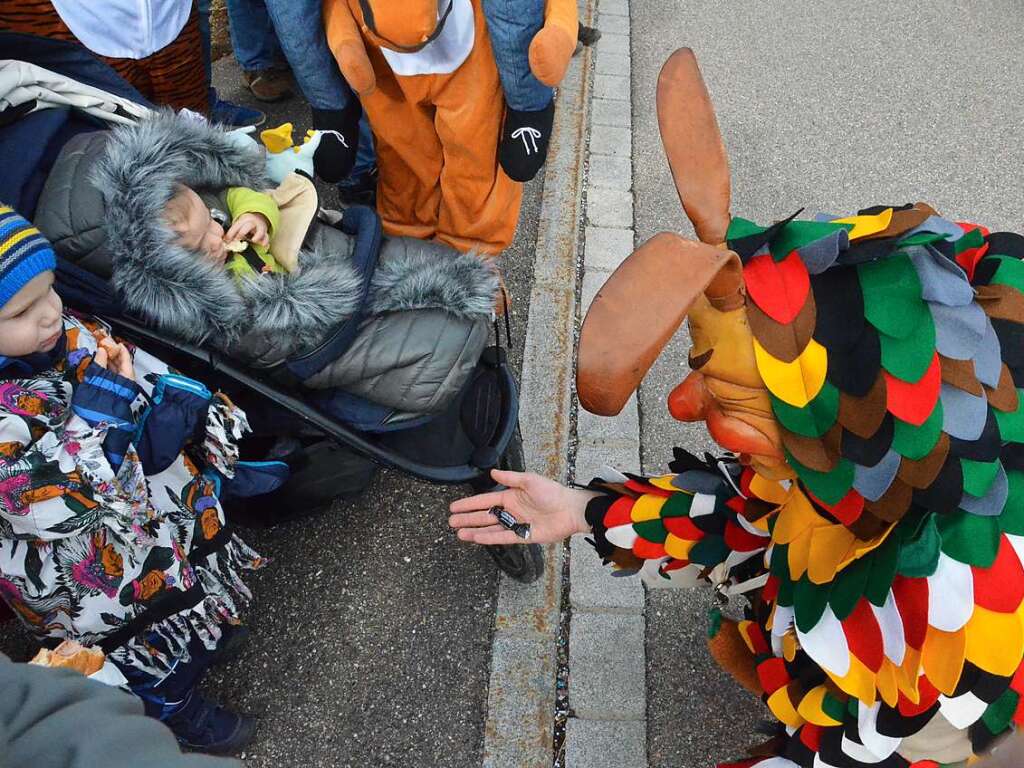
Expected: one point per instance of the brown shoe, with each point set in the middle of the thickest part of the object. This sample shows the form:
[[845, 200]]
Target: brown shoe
[[269, 84]]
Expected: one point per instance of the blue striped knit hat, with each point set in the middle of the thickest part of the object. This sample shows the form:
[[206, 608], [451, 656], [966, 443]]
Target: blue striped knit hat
[[24, 253]]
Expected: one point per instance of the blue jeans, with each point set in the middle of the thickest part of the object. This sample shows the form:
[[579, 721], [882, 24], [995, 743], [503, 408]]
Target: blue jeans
[[366, 155], [266, 32], [253, 38], [512, 25], [204, 37]]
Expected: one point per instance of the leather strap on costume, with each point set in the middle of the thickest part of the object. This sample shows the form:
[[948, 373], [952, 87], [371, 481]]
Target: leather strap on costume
[[371, 25]]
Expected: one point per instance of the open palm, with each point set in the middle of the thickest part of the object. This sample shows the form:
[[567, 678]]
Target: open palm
[[552, 510]]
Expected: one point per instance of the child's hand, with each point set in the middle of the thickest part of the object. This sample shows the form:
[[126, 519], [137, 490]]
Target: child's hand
[[253, 227], [114, 357]]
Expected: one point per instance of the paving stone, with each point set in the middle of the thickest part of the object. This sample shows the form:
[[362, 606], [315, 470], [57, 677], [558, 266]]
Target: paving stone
[[611, 86], [595, 589], [546, 389], [610, 172], [612, 63], [606, 248], [613, 7], [610, 112], [594, 456], [625, 426], [613, 21], [614, 42], [531, 610], [604, 744], [610, 140], [521, 674], [609, 208], [606, 666], [592, 282]]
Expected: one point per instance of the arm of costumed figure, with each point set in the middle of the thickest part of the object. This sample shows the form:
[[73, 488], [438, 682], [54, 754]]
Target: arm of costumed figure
[[553, 46], [347, 45]]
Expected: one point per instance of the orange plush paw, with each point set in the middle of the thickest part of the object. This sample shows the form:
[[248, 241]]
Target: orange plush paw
[[550, 53]]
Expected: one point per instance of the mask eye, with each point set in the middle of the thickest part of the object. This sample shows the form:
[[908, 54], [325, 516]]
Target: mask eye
[[696, 362]]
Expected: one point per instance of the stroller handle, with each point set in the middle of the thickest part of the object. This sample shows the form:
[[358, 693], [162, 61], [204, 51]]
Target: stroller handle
[[338, 431]]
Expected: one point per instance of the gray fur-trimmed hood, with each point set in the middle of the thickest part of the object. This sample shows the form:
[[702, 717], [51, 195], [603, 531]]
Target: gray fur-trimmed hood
[[137, 174]]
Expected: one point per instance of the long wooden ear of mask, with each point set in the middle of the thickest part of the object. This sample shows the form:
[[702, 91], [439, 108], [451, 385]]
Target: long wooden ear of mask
[[638, 310], [694, 146]]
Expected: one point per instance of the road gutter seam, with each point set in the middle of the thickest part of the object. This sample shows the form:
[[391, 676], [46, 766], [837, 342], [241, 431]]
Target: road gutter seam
[[518, 731], [607, 666]]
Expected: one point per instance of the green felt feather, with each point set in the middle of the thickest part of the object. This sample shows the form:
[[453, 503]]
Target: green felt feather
[[740, 228], [798, 233], [919, 554], [922, 238], [677, 505], [972, 239], [834, 707], [814, 419], [892, 294], [978, 475], [830, 487], [809, 603], [915, 442], [848, 587], [908, 358], [1012, 518], [1011, 423], [1009, 272], [999, 714], [709, 551], [884, 562], [970, 539], [652, 530]]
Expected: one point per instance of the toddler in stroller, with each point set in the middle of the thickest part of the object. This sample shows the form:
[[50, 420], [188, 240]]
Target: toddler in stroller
[[386, 337]]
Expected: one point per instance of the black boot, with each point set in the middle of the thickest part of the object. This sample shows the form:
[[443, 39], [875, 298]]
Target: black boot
[[336, 154], [524, 141], [201, 725]]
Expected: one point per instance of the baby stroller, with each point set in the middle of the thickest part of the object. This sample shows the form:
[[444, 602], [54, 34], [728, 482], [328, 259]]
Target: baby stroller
[[332, 440]]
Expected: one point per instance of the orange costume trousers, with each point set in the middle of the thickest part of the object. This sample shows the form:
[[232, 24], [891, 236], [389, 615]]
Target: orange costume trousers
[[437, 150]]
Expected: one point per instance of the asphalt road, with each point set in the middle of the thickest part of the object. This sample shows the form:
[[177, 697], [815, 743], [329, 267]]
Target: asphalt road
[[836, 107], [371, 629]]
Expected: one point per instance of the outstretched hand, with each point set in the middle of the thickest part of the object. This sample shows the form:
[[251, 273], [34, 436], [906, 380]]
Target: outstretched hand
[[552, 510]]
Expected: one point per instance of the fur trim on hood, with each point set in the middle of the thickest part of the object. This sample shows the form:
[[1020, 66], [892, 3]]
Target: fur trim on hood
[[138, 173]]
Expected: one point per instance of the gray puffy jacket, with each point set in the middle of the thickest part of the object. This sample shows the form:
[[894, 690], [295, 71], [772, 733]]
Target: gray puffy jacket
[[427, 316]]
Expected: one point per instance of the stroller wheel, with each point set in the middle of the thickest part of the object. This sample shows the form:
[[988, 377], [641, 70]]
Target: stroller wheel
[[522, 562]]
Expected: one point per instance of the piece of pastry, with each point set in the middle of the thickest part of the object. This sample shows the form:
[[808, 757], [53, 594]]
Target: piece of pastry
[[71, 655]]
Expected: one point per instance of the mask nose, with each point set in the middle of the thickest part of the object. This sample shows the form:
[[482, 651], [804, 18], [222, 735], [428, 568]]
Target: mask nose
[[689, 400]]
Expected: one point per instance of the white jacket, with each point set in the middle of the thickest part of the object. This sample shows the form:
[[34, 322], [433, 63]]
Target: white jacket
[[124, 29]]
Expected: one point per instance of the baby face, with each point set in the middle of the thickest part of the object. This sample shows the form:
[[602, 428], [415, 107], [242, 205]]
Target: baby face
[[31, 321], [190, 220]]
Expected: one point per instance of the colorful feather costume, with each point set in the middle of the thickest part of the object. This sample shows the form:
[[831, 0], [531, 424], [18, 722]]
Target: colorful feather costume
[[866, 371]]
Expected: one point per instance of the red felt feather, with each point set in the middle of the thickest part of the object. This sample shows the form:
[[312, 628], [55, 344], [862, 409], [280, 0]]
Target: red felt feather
[[648, 550], [741, 540], [1000, 588], [683, 527], [929, 695], [912, 601], [779, 289], [865, 636], [619, 513], [914, 402], [847, 510]]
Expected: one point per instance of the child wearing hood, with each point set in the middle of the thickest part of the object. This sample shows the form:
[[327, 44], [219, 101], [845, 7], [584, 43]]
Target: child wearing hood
[[111, 532]]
